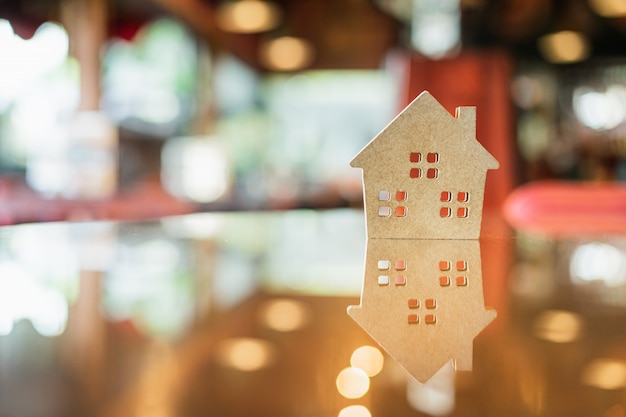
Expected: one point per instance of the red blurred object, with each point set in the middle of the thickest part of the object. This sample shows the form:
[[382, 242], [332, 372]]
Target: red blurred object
[[473, 78], [557, 208]]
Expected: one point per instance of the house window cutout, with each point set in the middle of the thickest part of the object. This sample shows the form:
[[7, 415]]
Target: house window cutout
[[432, 173], [384, 195], [430, 303], [444, 281], [399, 265], [401, 195], [415, 173], [432, 157], [462, 212], [383, 264], [400, 280], [400, 211], [414, 303], [384, 211], [430, 318], [463, 196], [415, 157], [444, 265], [461, 265], [383, 280], [461, 281], [413, 319], [443, 212], [446, 196]]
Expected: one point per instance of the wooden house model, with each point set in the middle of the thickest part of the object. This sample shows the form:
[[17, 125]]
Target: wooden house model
[[422, 301], [424, 174]]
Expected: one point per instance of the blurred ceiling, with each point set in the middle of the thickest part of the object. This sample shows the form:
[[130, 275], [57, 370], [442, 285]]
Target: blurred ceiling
[[357, 33]]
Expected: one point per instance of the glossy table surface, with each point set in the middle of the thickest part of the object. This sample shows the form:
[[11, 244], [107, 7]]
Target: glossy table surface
[[240, 314]]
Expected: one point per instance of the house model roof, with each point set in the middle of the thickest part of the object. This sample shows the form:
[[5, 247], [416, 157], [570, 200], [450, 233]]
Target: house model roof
[[427, 158]]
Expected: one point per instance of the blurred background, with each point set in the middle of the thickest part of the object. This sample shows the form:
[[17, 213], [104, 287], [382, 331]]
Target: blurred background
[[230, 113], [138, 108]]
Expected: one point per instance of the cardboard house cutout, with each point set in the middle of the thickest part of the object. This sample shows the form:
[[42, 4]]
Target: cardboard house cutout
[[424, 174], [424, 178], [422, 301]]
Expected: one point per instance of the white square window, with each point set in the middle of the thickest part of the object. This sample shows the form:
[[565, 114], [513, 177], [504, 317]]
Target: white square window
[[383, 264], [383, 280], [384, 211], [384, 195]]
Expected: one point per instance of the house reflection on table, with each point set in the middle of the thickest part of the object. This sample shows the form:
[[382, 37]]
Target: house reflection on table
[[422, 300], [240, 314]]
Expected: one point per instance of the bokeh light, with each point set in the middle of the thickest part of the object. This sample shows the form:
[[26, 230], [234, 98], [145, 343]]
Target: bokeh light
[[287, 53], [600, 110], [368, 358], [609, 8], [436, 27], [285, 315], [245, 354], [558, 326], [597, 261], [605, 373], [437, 396], [195, 168], [564, 47], [355, 411], [353, 382], [248, 16]]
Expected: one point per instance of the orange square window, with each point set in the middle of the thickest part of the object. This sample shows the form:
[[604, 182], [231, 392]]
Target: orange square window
[[461, 265], [432, 157], [432, 173], [430, 318], [414, 303], [462, 212], [401, 211], [415, 173], [446, 196], [401, 195], [444, 265], [445, 212], [413, 318], [461, 281], [444, 281], [399, 265], [400, 280], [415, 157], [463, 196], [431, 303]]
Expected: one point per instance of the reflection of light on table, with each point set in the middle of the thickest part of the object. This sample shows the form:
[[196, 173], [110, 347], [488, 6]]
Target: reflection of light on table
[[285, 315], [355, 411], [353, 382], [436, 397], [598, 262], [368, 358], [605, 373], [245, 354], [22, 297], [558, 326]]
